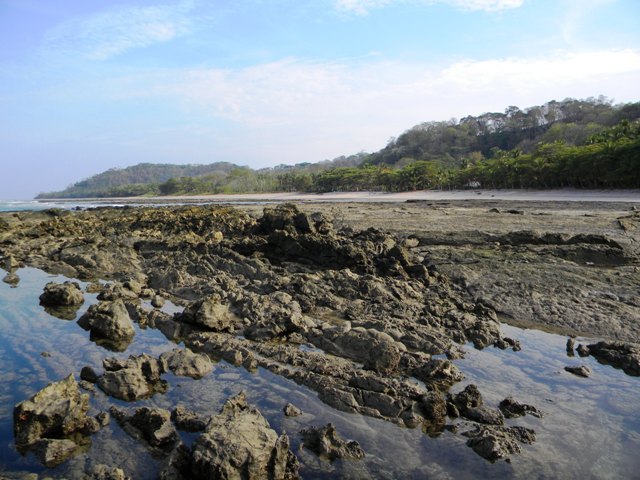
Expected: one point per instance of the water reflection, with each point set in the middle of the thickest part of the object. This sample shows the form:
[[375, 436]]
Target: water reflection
[[591, 427]]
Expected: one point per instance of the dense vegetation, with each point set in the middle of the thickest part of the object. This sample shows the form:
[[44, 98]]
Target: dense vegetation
[[573, 143]]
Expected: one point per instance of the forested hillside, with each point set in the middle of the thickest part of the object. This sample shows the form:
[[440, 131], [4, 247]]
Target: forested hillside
[[572, 143], [137, 180]]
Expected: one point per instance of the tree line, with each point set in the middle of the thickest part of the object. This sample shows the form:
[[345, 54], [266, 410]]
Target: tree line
[[573, 143]]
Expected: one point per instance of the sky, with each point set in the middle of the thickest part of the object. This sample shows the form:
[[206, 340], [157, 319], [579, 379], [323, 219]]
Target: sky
[[86, 86]]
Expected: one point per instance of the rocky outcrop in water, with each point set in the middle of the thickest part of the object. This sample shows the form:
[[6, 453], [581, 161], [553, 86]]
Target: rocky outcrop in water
[[184, 363], [150, 425], [109, 324], [62, 294], [50, 421], [618, 354], [132, 379], [237, 443], [354, 315]]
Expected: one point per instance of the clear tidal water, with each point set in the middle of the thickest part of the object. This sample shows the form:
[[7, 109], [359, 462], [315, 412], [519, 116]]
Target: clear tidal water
[[591, 427]]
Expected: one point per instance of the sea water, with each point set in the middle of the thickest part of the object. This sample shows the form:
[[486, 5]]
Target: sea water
[[590, 428]]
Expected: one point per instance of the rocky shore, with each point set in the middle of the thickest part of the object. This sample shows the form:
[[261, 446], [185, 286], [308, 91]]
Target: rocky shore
[[368, 306]]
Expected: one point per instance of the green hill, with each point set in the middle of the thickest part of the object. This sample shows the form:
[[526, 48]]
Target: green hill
[[589, 143]]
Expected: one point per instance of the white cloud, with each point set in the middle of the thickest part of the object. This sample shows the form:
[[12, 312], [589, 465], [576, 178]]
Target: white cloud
[[104, 35], [294, 110], [362, 7]]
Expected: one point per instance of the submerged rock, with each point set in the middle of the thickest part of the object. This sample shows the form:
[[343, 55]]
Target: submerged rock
[[151, 425], [52, 452], [496, 442], [512, 409], [325, 442]]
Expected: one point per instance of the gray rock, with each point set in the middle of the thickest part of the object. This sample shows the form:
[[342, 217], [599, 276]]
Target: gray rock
[[580, 371], [151, 425], [55, 412], [108, 320], [290, 410], [272, 316], [88, 373], [495, 442], [105, 472], [62, 294], [512, 409], [53, 452], [211, 313], [183, 362], [188, 420], [325, 442], [132, 379], [483, 414], [239, 443]]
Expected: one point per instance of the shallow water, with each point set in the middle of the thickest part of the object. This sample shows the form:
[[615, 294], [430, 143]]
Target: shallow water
[[591, 427]]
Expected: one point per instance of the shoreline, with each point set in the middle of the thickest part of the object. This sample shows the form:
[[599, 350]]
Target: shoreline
[[564, 195]]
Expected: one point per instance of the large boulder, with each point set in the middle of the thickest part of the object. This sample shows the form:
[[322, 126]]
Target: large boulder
[[326, 442], [62, 294], [239, 443], [47, 422], [109, 321], [132, 379]]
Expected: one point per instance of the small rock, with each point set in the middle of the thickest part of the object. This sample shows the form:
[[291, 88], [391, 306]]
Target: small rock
[[290, 410], [512, 409], [108, 320], [89, 374], [157, 301], [188, 420], [570, 346], [325, 442], [53, 452], [583, 350], [581, 371]]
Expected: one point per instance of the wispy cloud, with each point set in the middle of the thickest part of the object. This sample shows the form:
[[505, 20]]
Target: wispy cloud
[[362, 7], [286, 91], [294, 110], [104, 35]]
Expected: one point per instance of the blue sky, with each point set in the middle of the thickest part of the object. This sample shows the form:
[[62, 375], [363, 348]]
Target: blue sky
[[91, 85]]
